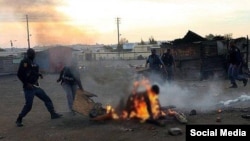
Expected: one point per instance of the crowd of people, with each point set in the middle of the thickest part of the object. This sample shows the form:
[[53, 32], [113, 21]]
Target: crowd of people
[[164, 65]]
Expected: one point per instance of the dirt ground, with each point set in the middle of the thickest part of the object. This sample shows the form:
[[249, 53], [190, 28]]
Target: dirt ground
[[112, 85]]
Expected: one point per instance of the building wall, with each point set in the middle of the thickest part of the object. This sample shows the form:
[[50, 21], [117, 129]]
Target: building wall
[[53, 59], [9, 64]]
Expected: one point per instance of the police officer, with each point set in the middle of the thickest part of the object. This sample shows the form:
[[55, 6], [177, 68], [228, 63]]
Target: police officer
[[70, 81], [169, 62], [155, 62], [28, 73], [236, 61]]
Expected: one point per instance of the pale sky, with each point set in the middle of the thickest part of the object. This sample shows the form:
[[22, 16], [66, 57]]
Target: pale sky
[[94, 21]]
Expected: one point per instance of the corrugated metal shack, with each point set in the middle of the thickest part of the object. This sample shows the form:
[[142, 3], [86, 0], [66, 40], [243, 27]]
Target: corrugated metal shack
[[213, 59], [53, 59], [199, 58]]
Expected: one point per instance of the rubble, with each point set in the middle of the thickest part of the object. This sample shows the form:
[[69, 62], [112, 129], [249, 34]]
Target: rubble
[[175, 131]]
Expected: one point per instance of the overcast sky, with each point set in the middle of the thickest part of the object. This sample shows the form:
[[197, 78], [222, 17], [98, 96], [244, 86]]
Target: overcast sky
[[94, 21]]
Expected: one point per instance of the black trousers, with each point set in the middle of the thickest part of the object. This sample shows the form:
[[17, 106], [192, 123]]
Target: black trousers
[[29, 95]]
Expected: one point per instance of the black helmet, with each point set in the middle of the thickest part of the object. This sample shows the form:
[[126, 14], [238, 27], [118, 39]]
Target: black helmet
[[31, 53]]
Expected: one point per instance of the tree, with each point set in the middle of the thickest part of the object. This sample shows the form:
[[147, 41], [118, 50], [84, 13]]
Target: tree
[[142, 42], [219, 37], [228, 36], [152, 41], [121, 43], [210, 36]]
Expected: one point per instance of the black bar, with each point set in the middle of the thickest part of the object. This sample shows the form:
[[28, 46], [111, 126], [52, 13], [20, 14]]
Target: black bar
[[217, 132]]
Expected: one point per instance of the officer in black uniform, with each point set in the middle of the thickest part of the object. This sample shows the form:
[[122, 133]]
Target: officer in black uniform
[[28, 73], [169, 62], [236, 62]]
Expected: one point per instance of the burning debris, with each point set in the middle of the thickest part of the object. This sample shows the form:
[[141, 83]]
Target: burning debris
[[85, 105], [142, 104]]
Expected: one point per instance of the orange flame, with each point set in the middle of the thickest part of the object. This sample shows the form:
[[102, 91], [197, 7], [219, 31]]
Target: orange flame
[[110, 111], [140, 103]]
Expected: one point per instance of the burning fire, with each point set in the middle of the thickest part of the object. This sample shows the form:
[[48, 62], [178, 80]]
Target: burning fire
[[110, 111], [144, 104]]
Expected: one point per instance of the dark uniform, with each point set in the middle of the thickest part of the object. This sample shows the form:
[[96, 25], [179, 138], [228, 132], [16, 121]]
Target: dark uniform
[[28, 73], [155, 62], [70, 81], [235, 60], [168, 61]]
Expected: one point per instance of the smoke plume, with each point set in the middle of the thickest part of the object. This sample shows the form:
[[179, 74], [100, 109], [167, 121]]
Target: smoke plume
[[46, 24]]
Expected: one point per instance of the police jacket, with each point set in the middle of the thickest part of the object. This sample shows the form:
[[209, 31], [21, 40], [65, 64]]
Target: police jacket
[[154, 62], [235, 57], [70, 76], [167, 59], [28, 72], [67, 76]]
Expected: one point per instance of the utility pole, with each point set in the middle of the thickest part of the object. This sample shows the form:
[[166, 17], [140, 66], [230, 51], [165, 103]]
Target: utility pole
[[247, 51], [28, 34], [118, 32]]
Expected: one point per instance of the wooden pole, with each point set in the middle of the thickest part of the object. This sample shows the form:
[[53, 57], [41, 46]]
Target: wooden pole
[[28, 34], [247, 51]]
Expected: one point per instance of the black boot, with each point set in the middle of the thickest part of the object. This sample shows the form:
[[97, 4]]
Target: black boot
[[55, 115], [19, 122], [245, 82], [234, 85]]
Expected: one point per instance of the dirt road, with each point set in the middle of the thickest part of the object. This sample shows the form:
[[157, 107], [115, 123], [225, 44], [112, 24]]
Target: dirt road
[[112, 85]]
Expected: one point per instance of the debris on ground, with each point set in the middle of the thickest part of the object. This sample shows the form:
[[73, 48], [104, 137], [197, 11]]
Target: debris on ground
[[246, 116], [175, 131]]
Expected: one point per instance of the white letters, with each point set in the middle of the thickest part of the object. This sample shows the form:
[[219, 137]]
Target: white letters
[[222, 132], [237, 132], [207, 132]]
